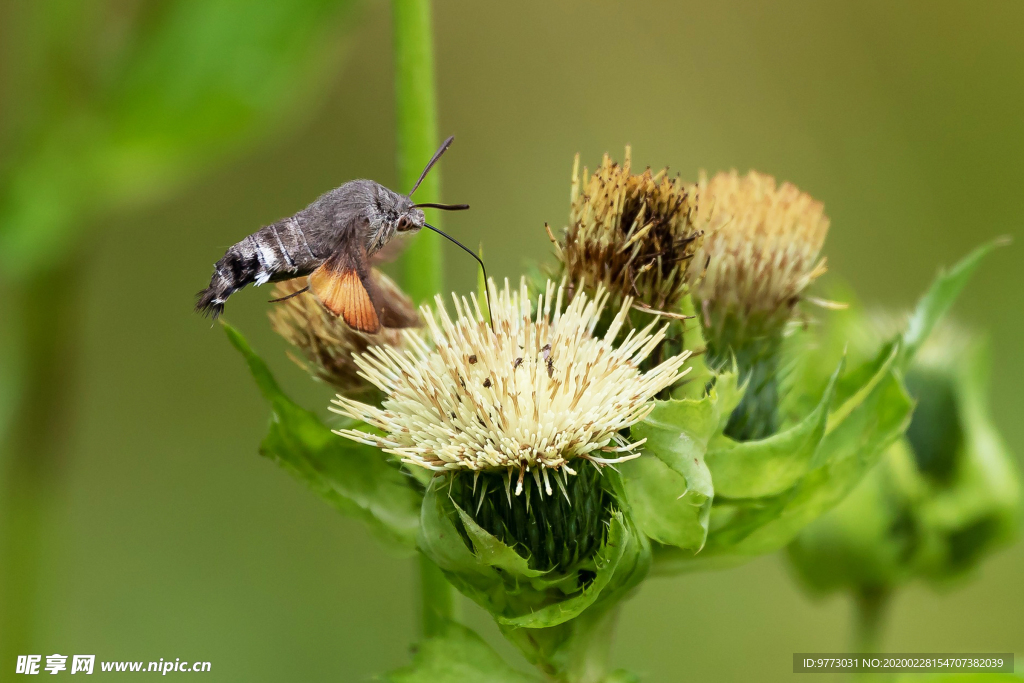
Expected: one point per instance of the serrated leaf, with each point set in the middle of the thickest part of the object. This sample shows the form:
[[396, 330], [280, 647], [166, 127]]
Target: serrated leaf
[[766, 467], [457, 655], [354, 478]]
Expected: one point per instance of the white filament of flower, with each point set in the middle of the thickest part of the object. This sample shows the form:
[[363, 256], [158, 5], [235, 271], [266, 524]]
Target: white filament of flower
[[530, 396]]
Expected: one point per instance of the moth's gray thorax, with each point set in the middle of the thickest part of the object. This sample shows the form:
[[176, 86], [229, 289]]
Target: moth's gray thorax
[[381, 228]]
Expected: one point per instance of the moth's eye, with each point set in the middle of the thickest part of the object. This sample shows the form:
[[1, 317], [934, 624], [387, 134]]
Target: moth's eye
[[403, 224]]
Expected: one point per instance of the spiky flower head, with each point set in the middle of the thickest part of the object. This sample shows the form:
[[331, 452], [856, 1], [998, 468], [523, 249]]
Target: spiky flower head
[[759, 254], [632, 233], [326, 342], [761, 243], [537, 393]]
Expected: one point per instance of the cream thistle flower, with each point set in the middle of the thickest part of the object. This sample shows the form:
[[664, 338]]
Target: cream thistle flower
[[327, 342], [632, 233], [533, 395], [759, 253]]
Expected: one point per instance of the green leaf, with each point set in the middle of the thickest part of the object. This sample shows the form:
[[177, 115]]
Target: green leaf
[[846, 453], [354, 478], [766, 467], [457, 655], [669, 489], [939, 297], [867, 540], [877, 414], [978, 508]]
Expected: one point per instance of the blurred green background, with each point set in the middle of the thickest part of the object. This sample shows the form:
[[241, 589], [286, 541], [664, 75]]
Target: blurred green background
[[171, 537]]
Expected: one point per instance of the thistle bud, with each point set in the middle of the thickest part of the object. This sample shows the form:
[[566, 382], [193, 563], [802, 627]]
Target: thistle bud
[[325, 342], [759, 253], [632, 233]]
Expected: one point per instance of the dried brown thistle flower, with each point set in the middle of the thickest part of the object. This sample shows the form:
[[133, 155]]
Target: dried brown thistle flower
[[325, 341], [632, 233]]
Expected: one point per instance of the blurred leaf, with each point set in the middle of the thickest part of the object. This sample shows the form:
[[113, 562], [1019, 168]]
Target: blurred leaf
[[905, 521], [457, 655], [866, 540], [751, 469], [179, 86], [943, 497], [978, 510], [355, 479], [938, 299]]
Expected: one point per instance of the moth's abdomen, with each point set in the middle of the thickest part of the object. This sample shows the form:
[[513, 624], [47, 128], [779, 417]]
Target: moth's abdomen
[[277, 252]]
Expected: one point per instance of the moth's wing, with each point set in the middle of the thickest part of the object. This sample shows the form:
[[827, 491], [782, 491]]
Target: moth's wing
[[394, 307], [390, 252], [340, 284]]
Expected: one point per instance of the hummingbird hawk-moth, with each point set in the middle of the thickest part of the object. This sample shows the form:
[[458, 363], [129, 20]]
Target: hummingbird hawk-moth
[[331, 241]]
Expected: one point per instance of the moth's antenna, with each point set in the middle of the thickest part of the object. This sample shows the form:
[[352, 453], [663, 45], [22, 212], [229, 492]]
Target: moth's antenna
[[433, 160], [487, 286], [443, 207]]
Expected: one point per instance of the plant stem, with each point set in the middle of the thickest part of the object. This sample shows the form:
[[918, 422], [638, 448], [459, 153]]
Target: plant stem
[[422, 278], [588, 660], [416, 120], [43, 311], [870, 604], [438, 600]]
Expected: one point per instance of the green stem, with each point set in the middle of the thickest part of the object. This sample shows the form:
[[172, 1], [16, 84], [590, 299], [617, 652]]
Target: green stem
[[576, 651], [43, 313], [416, 119], [870, 605], [438, 600], [588, 658]]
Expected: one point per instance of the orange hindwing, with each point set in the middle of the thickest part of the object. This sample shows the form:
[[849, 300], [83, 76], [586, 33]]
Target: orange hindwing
[[342, 292]]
